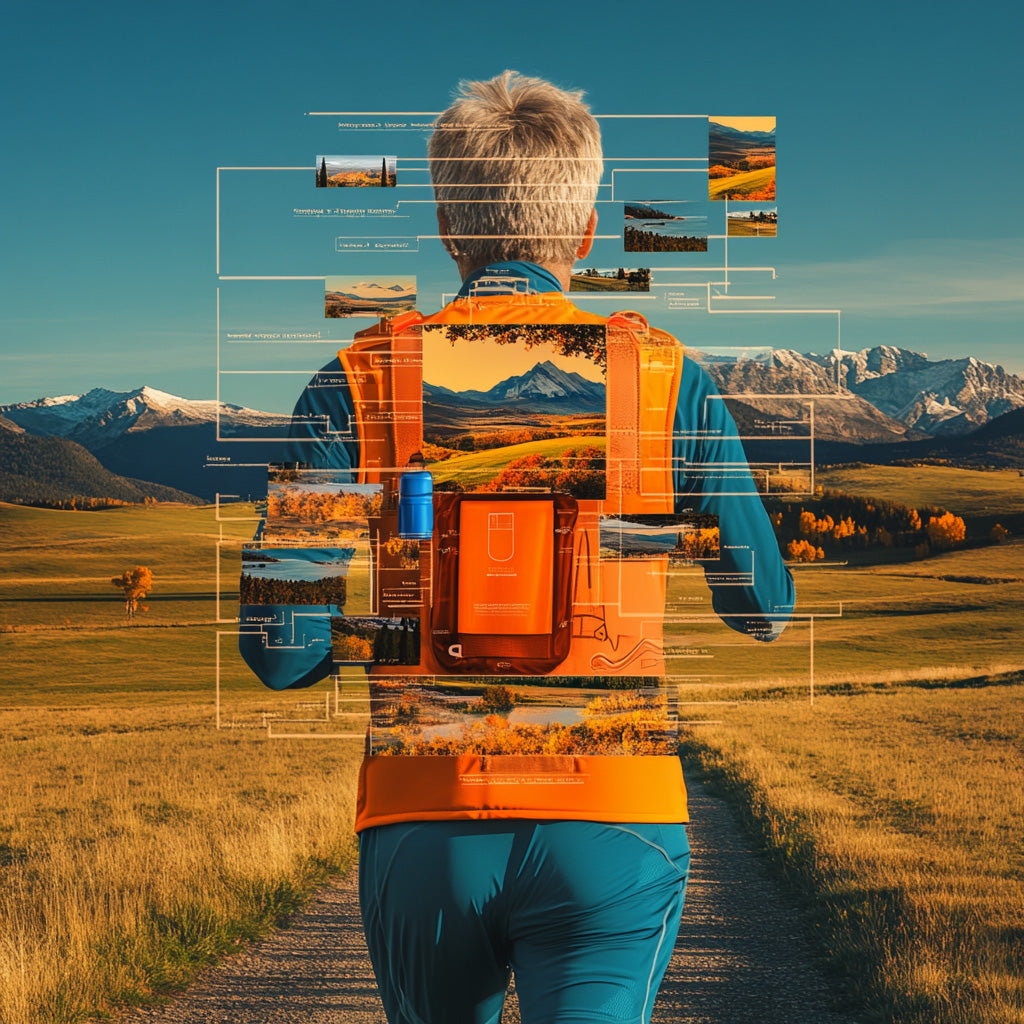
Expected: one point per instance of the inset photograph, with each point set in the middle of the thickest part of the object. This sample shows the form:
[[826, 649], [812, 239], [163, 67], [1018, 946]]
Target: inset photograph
[[375, 640], [504, 715], [664, 227], [741, 158], [621, 279], [303, 504], [683, 537], [515, 406], [295, 575], [761, 221], [356, 171], [351, 295]]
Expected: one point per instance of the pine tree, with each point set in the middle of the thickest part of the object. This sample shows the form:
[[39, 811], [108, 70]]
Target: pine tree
[[383, 171], [321, 175]]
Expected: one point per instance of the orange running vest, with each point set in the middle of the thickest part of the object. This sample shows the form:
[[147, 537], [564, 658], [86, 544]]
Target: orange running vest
[[644, 365]]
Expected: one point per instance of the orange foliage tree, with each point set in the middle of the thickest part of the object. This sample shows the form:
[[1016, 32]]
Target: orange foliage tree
[[135, 584], [946, 531], [803, 551], [352, 648]]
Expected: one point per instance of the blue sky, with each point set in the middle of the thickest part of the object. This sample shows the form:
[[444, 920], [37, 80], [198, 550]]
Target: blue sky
[[898, 157]]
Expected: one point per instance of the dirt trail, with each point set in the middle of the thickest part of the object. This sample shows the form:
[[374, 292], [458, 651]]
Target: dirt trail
[[743, 956]]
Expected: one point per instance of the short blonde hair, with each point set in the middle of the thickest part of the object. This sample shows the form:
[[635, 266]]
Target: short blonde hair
[[515, 163]]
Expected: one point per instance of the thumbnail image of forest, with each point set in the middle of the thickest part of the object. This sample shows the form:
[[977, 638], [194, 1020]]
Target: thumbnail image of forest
[[542, 428], [500, 716], [375, 639], [741, 161], [301, 505], [620, 280], [679, 233], [356, 171]]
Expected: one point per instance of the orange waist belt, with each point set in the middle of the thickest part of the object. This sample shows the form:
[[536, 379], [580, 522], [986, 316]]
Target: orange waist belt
[[644, 788]]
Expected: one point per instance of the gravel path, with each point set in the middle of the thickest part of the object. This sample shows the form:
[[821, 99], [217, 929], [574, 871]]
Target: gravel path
[[743, 954]]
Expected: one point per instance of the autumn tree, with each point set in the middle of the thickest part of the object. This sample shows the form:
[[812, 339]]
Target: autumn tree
[[998, 533], [946, 530], [135, 584], [585, 340], [352, 648], [803, 551]]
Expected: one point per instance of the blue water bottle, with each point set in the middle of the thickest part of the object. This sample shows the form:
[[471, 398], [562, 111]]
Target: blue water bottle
[[416, 501]]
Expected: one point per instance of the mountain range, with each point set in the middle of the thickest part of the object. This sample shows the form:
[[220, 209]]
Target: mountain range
[[147, 434], [727, 144], [545, 387], [883, 393], [371, 290], [377, 292], [879, 404]]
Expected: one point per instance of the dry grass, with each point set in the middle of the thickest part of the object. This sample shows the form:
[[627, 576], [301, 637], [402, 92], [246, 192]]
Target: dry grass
[[137, 847], [137, 843], [902, 816]]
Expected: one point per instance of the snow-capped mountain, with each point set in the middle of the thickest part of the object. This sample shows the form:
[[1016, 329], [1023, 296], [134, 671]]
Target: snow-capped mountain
[[99, 417], [543, 387], [948, 396], [547, 381], [881, 393], [149, 434], [775, 386]]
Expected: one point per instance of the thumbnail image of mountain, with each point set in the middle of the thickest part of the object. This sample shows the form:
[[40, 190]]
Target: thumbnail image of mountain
[[514, 406], [356, 296], [760, 221], [741, 158], [621, 279], [664, 227], [356, 171]]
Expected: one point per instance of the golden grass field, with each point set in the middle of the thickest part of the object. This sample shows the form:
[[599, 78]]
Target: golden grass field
[[758, 184], [137, 842], [490, 461], [900, 813], [744, 228]]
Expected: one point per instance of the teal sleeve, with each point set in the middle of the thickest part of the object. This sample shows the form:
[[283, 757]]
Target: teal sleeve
[[751, 588], [322, 433], [288, 647]]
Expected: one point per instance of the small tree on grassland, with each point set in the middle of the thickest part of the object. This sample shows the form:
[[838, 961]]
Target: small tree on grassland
[[945, 531], [135, 584]]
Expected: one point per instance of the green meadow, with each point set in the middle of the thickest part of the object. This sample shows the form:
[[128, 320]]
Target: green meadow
[[491, 460]]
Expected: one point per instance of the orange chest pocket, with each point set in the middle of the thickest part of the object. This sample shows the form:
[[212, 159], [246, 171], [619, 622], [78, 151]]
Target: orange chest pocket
[[502, 587]]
